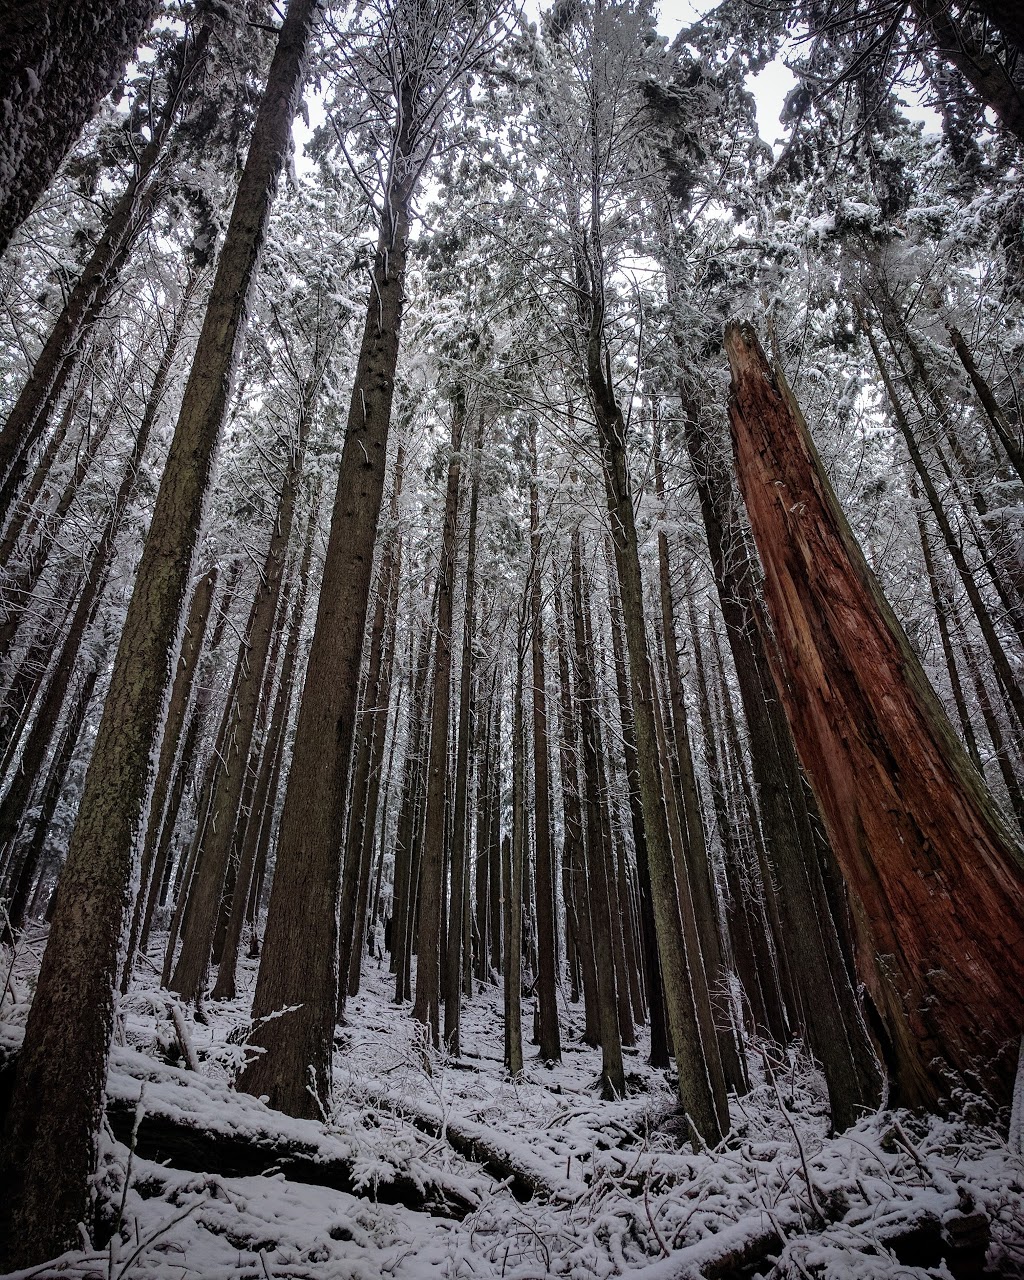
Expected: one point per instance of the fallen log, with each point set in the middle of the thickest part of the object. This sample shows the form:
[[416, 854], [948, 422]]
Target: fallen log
[[918, 1237], [200, 1125], [526, 1178]]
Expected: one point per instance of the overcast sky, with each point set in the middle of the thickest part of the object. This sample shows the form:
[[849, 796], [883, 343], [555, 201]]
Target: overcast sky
[[775, 81]]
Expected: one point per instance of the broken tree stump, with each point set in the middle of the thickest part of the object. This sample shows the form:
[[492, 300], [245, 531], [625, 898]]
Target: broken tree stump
[[936, 878]]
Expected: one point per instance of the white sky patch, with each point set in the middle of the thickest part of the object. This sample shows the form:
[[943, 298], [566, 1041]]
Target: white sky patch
[[771, 85]]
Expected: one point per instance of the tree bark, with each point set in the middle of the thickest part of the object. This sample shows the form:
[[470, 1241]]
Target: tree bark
[[990, 404], [265, 791], [804, 931], [512, 880], [930, 863], [377, 731], [50, 1147], [461, 820], [373, 712], [192, 970], [49, 796], [407, 836], [707, 1108], [544, 865], [188, 660], [25, 576], [986, 75], [613, 1077], [31, 412], [298, 970], [577, 900], [435, 843], [1000, 663], [59, 61]]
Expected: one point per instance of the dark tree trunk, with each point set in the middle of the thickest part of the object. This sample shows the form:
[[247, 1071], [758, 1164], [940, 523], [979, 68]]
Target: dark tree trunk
[[161, 887], [987, 76], [598, 890], [426, 1006], [58, 62], [512, 880], [188, 660], [26, 575], [929, 861], [953, 544], [375, 762], [749, 929], [50, 1140], [996, 416], [544, 863], [706, 1106], [257, 829], [47, 713], [31, 412], [408, 832], [192, 970], [804, 931], [373, 716], [31, 856], [699, 871], [652, 964], [298, 970], [461, 818]]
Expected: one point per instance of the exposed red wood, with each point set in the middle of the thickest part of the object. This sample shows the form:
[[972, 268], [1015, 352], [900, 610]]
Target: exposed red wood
[[936, 877]]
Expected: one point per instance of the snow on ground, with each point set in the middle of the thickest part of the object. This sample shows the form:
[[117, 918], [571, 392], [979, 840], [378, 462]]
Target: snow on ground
[[617, 1195]]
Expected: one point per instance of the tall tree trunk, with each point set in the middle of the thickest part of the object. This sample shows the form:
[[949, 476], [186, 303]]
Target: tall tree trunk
[[512, 880], [461, 819], [495, 843], [26, 511], [265, 790], [806, 933], [49, 796], [990, 404], [47, 712], [544, 862], [25, 576], [373, 716], [59, 61], [987, 76], [177, 708], [374, 780], [945, 640], [407, 833], [31, 412], [57, 1103], [192, 970], [598, 890], [652, 963], [707, 1108], [435, 843], [749, 930], [683, 777], [481, 883], [577, 899], [165, 822], [1000, 663], [929, 861], [298, 971]]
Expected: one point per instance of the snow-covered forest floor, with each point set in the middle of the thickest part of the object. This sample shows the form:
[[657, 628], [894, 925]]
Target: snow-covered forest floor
[[613, 1192]]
